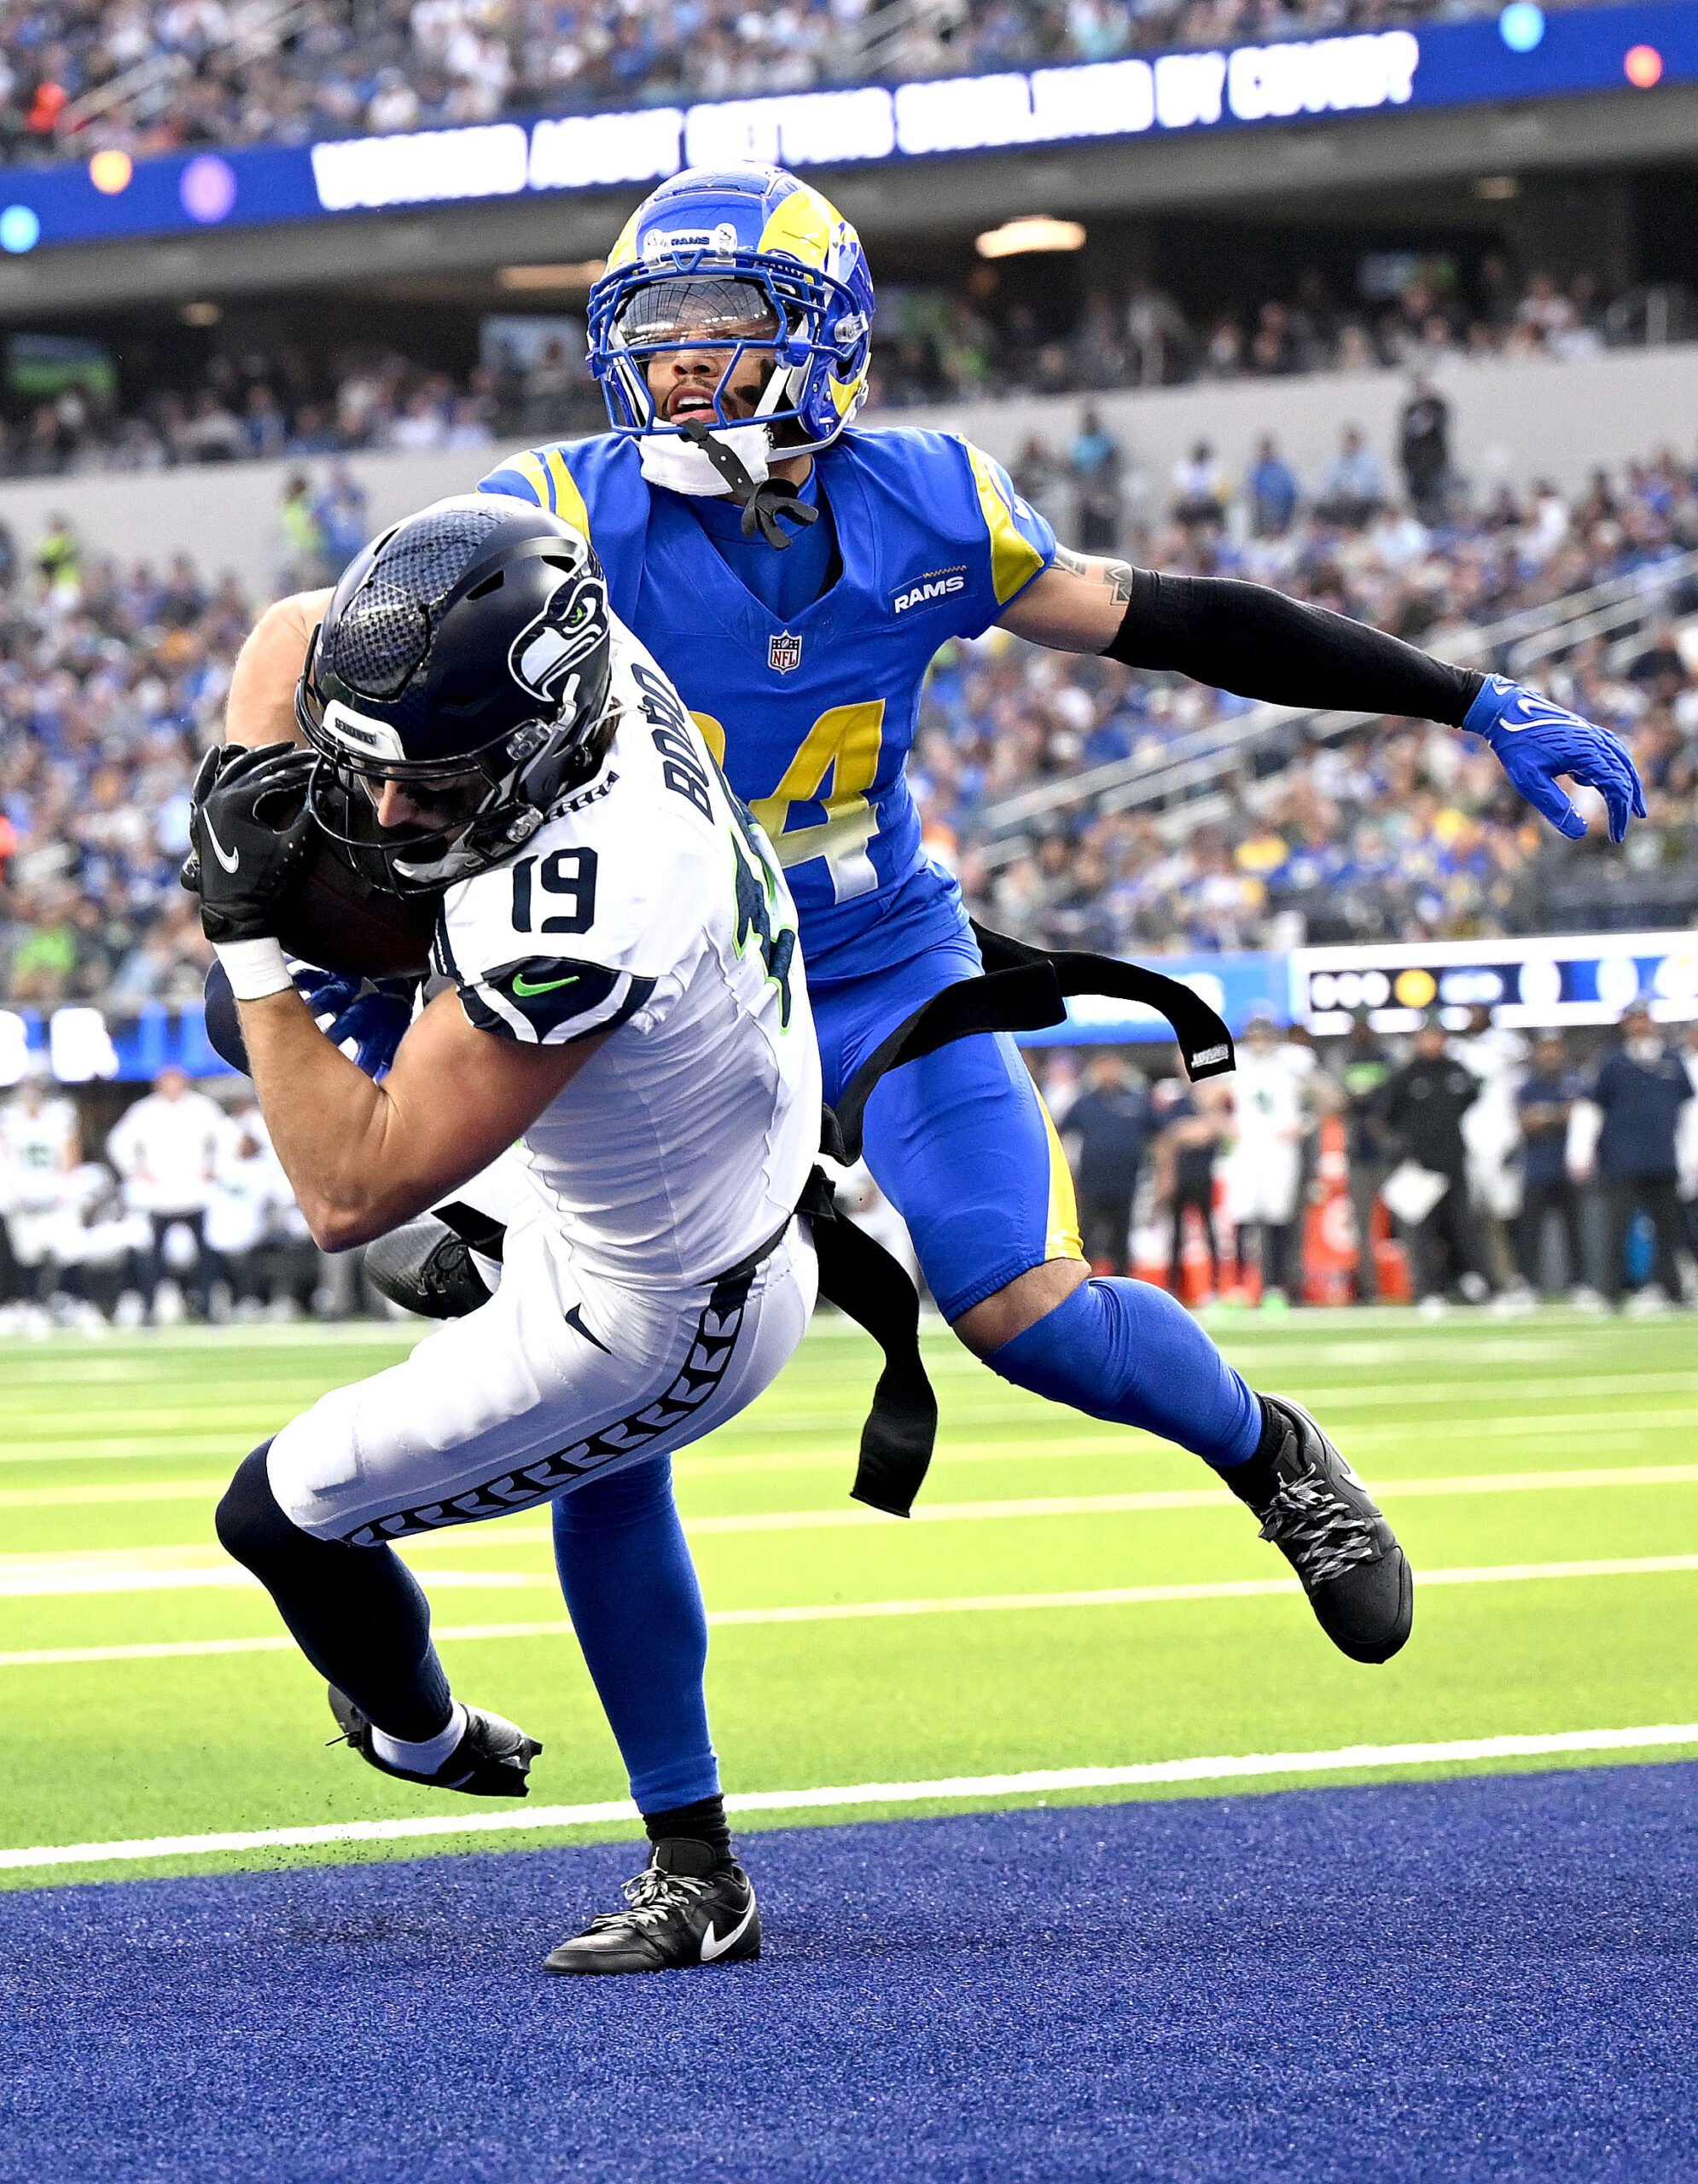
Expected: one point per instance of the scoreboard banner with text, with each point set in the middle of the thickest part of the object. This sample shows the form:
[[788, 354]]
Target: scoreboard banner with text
[[1528, 985], [1519, 54]]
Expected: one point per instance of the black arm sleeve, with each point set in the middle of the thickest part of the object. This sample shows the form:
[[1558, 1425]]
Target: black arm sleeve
[[1258, 643]]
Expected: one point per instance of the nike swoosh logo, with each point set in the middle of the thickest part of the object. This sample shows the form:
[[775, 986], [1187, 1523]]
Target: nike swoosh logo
[[574, 1320], [711, 1946], [228, 858], [522, 985]]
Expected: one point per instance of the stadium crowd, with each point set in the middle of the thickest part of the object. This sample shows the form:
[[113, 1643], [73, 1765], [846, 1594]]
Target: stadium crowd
[[1400, 831], [111, 680], [76, 76], [1467, 1164], [934, 345]]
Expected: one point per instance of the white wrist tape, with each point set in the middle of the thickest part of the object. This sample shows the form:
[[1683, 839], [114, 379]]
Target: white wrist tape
[[254, 967]]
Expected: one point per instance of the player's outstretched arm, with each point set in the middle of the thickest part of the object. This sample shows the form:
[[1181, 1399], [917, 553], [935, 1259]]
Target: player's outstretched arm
[[260, 707], [1258, 643]]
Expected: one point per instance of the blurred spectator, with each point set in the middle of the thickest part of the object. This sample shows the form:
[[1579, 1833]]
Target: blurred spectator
[[1273, 489], [1105, 1131], [1424, 450], [340, 516], [1363, 1070], [1200, 494], [1354, 485], [1546, 1098], [1639, 1091], [1422, 1105], [1094, 460], [306, 561], [39, 1146], [1263, 1172], [1193, 1129], [167, 1147], [1492, 1131]]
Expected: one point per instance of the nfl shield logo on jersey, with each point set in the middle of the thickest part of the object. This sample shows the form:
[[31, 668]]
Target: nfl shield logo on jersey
[[783, 652]]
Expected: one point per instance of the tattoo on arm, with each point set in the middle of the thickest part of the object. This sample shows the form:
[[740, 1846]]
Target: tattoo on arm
[[1117, 576]]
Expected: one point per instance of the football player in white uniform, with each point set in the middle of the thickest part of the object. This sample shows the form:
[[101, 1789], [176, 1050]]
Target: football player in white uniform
[[617, 988], [1264, 1170], [39, 1143]]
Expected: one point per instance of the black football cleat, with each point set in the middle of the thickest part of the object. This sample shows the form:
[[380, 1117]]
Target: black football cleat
[[491, 1759], [686, 1906], [1324, 1522]]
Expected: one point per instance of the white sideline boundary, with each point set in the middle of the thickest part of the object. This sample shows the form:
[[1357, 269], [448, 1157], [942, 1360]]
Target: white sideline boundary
[[1036, 1783], [150, 1570], [1239, 1589]]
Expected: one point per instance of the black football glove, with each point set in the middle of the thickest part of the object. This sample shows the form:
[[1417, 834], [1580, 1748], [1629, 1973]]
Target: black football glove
[[251, 833]]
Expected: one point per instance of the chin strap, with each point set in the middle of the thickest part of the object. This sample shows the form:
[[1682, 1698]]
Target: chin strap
[[762, 505]]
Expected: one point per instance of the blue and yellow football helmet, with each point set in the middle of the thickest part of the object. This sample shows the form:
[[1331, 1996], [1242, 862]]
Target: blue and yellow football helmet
[[751, 261]]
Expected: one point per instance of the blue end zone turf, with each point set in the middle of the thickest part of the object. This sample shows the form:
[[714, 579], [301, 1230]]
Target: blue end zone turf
[[1486, 1979]]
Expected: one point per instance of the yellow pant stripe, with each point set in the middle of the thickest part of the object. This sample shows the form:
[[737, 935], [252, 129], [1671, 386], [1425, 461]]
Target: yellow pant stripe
[[1061, 1240]]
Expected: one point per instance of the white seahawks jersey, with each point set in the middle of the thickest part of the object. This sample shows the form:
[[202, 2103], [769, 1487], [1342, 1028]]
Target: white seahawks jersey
[[35, 1154], [1267, 1099], [650, 907]]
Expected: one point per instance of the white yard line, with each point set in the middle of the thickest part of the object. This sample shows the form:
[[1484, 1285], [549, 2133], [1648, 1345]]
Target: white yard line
[[1237, 1588], [1037, 1782], [151, 1569]]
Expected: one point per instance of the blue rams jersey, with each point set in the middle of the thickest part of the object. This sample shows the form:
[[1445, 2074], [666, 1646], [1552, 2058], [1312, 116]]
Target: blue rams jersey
[[813, 718]]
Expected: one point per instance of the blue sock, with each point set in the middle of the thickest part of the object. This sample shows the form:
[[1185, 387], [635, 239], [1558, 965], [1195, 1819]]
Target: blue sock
[[635, 1603], [1123, 1350]]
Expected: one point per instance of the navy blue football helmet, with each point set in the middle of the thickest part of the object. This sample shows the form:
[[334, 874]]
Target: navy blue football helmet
[[465, 656]]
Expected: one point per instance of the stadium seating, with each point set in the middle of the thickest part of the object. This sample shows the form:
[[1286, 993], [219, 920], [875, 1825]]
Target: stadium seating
[[150, 78], [934, 344], [1083, 805]]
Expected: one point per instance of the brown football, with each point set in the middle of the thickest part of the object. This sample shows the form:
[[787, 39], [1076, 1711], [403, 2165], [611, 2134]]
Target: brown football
[[339, 919]]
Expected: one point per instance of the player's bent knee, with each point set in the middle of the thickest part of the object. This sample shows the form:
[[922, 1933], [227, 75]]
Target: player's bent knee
[[1019, 1304], [250, 1525]]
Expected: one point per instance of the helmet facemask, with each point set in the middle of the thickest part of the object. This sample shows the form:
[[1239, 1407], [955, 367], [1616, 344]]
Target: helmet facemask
[[761, 306], [479, 803]]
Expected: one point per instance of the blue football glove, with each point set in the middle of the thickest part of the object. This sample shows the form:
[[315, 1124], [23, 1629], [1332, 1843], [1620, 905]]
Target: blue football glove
[[366, 1017], [1537, 740]]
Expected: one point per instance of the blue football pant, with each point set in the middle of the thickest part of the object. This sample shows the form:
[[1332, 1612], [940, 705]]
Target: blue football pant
[[962, 1145]]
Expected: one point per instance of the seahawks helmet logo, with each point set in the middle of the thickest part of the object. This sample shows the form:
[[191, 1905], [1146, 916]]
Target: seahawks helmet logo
[[548, 651]]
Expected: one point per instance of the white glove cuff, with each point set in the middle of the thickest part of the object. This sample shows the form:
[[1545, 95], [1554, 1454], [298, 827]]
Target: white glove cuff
[[254, 967]]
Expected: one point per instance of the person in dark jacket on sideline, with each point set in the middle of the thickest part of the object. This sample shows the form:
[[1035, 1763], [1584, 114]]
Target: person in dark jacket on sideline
[[1640, 1089], [1422, 1105], [1363, 1071], [1544, 1102], [1106, 1130]]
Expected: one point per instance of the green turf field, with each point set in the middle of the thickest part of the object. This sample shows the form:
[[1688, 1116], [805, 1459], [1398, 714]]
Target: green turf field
[[1497, 1445]]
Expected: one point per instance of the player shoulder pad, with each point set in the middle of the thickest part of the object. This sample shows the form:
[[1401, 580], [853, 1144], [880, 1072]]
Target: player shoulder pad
[[1022, 543], [579, 479], [550, 1000], [965, 503]]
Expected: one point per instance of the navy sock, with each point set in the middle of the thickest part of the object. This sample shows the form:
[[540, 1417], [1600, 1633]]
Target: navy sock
[[631, 1591], [1123, 1350], [356, 1612]]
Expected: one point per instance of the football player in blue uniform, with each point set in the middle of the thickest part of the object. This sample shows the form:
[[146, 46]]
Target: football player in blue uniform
[[795, 577]]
